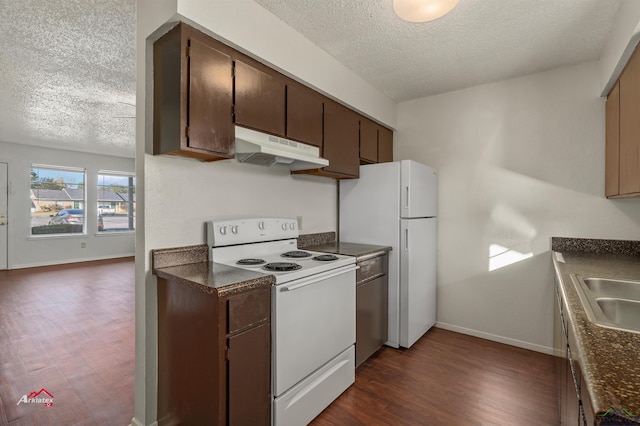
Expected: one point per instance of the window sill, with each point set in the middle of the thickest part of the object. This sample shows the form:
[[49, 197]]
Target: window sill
[[56, 236], [114, 233]]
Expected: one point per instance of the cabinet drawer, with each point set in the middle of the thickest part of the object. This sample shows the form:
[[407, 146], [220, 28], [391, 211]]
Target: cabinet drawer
[[248, 309], [371, 268]]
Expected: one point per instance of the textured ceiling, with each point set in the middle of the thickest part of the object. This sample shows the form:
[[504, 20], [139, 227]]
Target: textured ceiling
[[480, 41], [67, 73], [67, 67]]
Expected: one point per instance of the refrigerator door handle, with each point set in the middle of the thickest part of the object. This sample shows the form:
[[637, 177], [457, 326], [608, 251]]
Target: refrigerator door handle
[[406, 239], [406, 198]]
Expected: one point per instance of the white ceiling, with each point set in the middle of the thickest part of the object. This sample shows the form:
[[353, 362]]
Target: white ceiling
[[67, 67], [68, 74], [480, 41]]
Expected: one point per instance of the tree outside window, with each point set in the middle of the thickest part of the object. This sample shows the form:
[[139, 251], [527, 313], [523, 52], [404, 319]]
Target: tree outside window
[[57, 200]]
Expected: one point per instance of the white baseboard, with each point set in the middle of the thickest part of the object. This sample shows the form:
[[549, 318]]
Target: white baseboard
[[136, 422], [65, 261], [495, 338]]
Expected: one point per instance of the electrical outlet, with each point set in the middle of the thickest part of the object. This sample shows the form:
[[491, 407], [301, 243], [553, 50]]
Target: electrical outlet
[[83, 245], [299, 222]]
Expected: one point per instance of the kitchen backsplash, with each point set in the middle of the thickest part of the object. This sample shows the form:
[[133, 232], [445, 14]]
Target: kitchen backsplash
[[624, 247], [307, 240]]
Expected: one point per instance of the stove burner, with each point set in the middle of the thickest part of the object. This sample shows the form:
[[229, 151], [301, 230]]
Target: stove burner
[[250, 262], [296, 253], [281, 266], [325, 257]]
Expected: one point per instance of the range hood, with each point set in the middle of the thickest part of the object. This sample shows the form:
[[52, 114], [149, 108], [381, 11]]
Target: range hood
[[267, 150]]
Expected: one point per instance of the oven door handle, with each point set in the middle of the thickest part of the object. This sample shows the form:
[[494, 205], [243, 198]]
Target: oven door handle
[[319, 277]]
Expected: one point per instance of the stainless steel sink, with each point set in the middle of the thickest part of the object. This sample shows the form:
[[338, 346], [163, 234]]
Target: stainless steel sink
[[621, 311], [614, 288], [610, 303]]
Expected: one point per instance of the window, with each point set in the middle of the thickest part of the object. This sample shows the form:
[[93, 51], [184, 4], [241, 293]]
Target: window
[[116, 202], [57, 200]]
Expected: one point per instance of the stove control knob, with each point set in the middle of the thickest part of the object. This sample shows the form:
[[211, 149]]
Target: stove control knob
[[223, 230], [261, 226], [284, 226], [234, 229], [292, 226]]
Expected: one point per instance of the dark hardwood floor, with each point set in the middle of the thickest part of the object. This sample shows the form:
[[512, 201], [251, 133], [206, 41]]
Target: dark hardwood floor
[[449, 378], [70, 330]]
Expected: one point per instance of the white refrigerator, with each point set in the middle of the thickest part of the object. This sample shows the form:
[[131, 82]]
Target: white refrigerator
[[395, 204]]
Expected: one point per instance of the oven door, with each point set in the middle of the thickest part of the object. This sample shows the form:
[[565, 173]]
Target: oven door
[[314, 322]]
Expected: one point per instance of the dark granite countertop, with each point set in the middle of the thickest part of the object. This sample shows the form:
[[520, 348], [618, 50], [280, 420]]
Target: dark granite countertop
[[214, 278], [190, 266], [360, 251], [610, 358]]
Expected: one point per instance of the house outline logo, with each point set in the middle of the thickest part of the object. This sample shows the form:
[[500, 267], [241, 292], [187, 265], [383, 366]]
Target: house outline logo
[[622, 416], [42, 396]]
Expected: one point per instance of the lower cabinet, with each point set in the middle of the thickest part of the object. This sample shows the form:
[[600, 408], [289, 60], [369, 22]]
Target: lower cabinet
[[573, 399], [371, 307], [249, 376], [214, 356]]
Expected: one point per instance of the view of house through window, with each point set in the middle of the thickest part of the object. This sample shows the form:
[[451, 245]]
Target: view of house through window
[[116, 202], [57, 200]]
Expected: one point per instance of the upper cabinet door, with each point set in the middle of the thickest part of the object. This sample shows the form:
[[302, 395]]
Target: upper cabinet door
[[341, 140], [630, 126], [304, 115], [368, 141], [192, 96], [210, 98], [259, 98], [385, 145]]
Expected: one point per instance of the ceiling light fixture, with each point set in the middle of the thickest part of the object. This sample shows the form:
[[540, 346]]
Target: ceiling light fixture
[[422, 10]]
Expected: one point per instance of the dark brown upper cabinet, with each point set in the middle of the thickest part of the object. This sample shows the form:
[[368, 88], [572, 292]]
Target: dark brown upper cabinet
[[202, 88], [341, 141], [304, 114], [368, 141], [259, 97], [385, 145], [376, 142], [192, 96]]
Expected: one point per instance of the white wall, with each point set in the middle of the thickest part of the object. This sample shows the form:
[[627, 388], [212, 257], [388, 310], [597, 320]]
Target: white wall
[[180, 195], [620, 44], [26, 251], [519, 161]]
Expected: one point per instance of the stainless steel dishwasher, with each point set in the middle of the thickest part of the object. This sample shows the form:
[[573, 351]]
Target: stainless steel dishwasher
[[371, 305]]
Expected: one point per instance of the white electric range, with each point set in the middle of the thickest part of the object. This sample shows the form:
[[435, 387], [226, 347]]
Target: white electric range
[[313, 311]]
